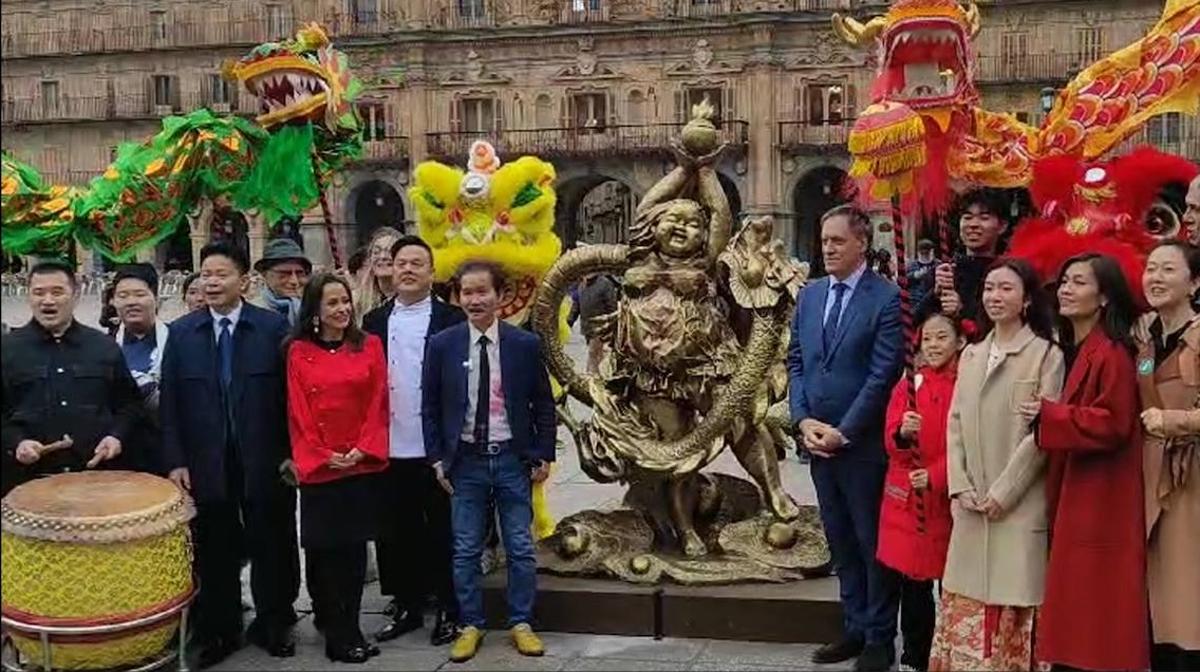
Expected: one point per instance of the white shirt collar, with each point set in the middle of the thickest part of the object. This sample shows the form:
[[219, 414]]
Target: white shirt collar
[[851, 282], [420, 306], [233, 316], [493, 333]]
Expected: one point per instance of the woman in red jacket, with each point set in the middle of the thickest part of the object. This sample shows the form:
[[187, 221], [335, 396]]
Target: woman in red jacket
[[338, 420], [1095, 613], [914, 522]]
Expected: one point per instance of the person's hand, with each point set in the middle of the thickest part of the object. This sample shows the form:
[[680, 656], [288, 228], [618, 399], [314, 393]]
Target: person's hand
[[108, 448], [967, 500], [289, 473], [182, 478], [340, 461], [832, 441], [1029, 409], [1152, 420], [440, 473], [943, 278], [540, 471], [29, 451], [918, 479], [911, 425], [951, 303], [812, 436], [355, 455], [991, 508]]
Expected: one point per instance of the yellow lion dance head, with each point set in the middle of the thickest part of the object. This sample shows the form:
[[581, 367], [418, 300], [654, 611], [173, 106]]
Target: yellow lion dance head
[[503, 214]]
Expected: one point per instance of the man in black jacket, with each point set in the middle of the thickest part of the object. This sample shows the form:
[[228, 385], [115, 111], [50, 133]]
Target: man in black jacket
[[414, 546], [69, 401]]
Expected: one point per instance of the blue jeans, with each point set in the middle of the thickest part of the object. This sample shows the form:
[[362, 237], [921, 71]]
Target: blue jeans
[[476, 480]]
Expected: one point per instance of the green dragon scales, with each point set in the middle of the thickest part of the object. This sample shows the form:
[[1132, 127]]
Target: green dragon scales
[[275, 165]]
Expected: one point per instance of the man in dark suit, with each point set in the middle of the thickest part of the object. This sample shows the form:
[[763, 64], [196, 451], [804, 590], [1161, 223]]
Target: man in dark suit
[[845, 354], [225, 440], [414, 544], [489, 429]]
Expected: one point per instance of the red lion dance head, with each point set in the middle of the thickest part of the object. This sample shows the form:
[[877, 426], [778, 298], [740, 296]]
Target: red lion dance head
[[1098, 207]]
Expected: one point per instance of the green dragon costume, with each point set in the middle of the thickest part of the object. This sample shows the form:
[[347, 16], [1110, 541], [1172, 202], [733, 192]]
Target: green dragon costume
[[275, 165]]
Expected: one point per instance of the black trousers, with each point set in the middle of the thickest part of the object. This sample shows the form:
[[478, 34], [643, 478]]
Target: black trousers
[[1171, 658], [414, 546], [336, 581], [263, 530], [917, 616]]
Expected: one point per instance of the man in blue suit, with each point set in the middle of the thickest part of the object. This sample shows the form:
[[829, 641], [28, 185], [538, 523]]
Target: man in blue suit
[[489, 430], [845, 354], [225, 440]]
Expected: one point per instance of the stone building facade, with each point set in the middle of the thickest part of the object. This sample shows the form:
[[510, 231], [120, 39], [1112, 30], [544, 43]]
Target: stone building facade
[[599, 87]]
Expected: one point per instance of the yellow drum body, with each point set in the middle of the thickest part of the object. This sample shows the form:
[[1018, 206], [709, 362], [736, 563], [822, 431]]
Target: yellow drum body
[[95, 549]]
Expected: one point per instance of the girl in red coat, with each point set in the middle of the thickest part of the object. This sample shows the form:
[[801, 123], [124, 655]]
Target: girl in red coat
[[338, 421], [914, 522], [1094, 615]]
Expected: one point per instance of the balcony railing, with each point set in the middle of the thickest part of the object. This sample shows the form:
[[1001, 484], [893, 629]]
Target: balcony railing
[[586, 13], [344, 24], [808, 137], [386, 151], [171, 35], [699, 9], [66, 108], [1028, 68], [452, 18], [1183, 140], [617, 140]]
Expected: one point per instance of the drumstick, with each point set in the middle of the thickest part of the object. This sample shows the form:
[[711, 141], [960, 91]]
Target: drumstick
[[65, 442]]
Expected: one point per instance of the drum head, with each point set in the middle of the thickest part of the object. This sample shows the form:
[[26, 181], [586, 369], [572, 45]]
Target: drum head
[[95, 506]]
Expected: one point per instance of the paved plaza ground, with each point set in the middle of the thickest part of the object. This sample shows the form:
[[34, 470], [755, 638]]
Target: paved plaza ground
[[570, 490]]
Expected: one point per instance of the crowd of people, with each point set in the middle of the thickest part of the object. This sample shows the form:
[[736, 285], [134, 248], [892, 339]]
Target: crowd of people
[[414, 426], [1023, 495]]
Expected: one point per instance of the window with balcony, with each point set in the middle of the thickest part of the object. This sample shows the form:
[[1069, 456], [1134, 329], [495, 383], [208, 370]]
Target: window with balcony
[[589, 111], [374, 118], [165, 92], [1165, 129], [158, 25], [1089, 45], [471, 9], [476, 115], [827, 103], [714, 96], [49, 92], [635, 111], [1013, 49], [276, 24], [364, 11], [585, 5], [543, 111], [221, 91]]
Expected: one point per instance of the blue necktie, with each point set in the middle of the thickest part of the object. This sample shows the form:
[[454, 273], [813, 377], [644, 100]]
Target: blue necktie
[[835, 313], [225, 353]]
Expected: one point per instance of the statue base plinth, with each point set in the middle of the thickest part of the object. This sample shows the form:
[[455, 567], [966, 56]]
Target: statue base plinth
[[795, 612]]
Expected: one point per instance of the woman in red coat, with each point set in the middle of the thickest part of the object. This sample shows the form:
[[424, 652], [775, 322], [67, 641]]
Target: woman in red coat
[[1095, 611], [915, 522], [338, 420]]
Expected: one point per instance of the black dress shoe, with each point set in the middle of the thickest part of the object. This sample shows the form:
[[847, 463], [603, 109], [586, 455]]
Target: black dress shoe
[[837, 652], [875, 658], [217, 650], [445, 629], [350, 654], [277, 642], [404, 623]]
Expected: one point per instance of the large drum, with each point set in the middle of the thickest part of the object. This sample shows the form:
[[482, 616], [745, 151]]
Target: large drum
[[90, 550]]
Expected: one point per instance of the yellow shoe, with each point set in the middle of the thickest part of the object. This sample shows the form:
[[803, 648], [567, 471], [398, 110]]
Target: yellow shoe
[[467, 644], [527, 643]]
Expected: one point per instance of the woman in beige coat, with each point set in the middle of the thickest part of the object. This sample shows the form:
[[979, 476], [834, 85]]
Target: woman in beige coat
[[996, 565], [1168, 340]]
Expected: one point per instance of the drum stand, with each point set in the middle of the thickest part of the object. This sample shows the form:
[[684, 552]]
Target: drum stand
[[47, 634]]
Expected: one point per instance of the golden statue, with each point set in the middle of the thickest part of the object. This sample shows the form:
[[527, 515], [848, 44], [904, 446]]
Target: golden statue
[[695, 365]]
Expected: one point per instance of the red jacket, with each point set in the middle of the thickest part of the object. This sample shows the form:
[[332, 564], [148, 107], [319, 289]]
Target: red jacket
[[1094, 614], [918, 554], [337, 401]]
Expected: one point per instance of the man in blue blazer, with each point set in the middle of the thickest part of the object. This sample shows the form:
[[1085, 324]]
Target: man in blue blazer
[[845, 354], [225, 440], [489, 430]]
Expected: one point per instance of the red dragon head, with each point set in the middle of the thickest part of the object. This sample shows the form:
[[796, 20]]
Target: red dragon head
[[925, 58]]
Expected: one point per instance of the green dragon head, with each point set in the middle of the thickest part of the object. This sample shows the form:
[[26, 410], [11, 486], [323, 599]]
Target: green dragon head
[[302, 79]]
